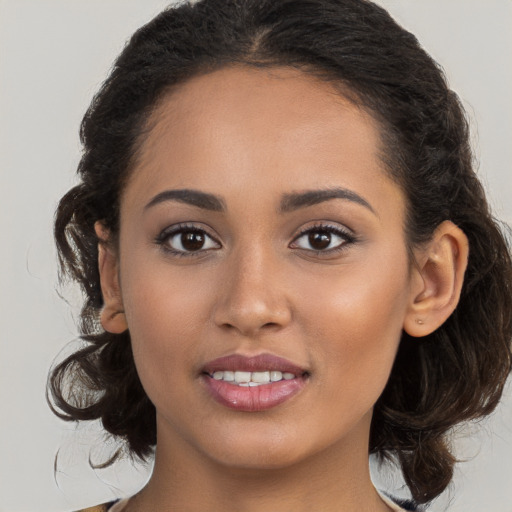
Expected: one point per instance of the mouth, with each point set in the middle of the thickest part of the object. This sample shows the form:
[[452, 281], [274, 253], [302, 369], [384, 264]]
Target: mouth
[[253, 384]]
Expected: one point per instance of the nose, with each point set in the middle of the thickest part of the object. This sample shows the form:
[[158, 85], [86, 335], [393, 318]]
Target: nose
[[252, 297]]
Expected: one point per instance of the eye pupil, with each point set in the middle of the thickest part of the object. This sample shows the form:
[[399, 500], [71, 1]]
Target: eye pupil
[[192, 241], [319, 240]]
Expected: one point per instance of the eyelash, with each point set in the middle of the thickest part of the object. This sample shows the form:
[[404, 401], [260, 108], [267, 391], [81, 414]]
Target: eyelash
[[347, 237], [163, 238]]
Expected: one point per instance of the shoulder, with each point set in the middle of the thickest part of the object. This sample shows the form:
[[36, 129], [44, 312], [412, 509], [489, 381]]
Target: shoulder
[[408, 505], [401, 505], [105, 507]]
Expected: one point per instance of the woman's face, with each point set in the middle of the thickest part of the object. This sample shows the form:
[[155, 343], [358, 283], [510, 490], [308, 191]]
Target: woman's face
[[261, 239]]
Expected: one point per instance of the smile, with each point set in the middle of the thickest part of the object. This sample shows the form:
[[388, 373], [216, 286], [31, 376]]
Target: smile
[[253, 384], [251, 379]]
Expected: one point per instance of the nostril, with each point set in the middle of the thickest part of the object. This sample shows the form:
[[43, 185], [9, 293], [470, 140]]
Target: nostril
[[250, 317]]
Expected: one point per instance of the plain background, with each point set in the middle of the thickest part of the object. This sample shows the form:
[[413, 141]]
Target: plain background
[[53, 56]]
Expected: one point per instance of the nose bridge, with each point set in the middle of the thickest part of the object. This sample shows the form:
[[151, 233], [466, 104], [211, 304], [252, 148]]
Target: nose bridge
[[252, 296]]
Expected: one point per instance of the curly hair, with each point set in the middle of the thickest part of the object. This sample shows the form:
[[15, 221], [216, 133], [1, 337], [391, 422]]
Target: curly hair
[[455, 374]]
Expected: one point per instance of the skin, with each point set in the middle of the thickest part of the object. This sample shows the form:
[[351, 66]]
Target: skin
[[250, 137]]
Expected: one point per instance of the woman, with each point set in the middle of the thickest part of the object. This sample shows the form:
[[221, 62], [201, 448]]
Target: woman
[[292, 261]]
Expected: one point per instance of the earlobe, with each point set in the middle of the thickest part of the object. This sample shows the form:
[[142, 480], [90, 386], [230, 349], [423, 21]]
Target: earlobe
[[437, 280], [112, 315]]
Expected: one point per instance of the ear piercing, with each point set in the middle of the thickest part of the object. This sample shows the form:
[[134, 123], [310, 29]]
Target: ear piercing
[[419, 321]]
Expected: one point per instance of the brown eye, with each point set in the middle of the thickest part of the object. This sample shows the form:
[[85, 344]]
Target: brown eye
[[325, 239], [184, 240], [192, 241], [319, 240]]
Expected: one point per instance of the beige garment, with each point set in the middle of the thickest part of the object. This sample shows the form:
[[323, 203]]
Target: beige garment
[[392, 505], [119, 506]]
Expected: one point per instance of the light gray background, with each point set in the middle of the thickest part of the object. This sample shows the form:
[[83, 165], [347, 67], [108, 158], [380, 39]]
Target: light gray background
[[53, 56]]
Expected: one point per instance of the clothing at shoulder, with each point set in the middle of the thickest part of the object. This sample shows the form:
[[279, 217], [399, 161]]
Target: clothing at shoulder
[[408, 505], [398, 506], [99, 508]]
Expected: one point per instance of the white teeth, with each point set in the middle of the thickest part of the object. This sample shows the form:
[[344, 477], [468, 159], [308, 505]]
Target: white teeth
[[261, 377], [251, 379], [229, 376], [242, 377], [275, 376]]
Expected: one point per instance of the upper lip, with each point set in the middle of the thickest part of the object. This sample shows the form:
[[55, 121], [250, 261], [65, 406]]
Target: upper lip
[[261, 362]]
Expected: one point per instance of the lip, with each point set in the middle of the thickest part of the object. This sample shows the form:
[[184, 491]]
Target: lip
[[258, 398], [257, 363]]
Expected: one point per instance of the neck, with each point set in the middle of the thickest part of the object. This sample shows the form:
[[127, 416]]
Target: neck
[[333, 480]]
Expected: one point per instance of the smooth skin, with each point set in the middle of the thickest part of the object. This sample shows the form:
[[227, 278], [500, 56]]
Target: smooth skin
[[325, 283]]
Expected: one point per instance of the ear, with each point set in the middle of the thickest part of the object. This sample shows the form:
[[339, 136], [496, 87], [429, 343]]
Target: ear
[[112, 315], [437, 280]]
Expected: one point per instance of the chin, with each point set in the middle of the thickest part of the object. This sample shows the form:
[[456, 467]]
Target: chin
[[275, 448]]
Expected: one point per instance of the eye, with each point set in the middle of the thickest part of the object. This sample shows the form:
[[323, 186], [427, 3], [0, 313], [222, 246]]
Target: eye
[[323, 238], [183, 240]]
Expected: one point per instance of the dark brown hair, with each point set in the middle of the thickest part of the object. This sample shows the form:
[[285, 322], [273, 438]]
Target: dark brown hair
[[455, 374]]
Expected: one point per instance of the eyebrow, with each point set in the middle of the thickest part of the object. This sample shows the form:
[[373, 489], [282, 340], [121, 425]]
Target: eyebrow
[[189, 196], [292, 202], [289, 202]]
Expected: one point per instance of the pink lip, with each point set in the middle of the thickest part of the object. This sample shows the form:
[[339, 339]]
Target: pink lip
[[258, 398], [258, 363]]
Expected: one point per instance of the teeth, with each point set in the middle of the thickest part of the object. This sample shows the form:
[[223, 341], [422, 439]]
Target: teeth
[[251, 379], [275, 376], [260, 377], [242, 377], [229, 376]]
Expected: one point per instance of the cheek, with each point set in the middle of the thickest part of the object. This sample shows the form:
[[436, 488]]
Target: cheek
[[166, 314], [161, 298], [355, 321]]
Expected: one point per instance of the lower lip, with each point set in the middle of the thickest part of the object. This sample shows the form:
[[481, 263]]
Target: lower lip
[[253, 398]]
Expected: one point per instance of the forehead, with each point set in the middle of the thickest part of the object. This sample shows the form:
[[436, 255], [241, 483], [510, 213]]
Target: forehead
[[242, 127]]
